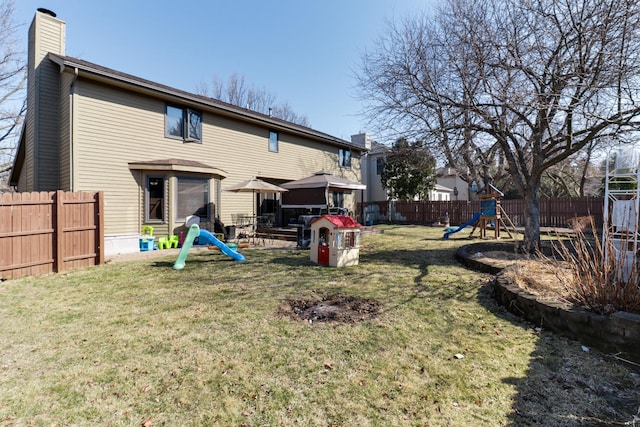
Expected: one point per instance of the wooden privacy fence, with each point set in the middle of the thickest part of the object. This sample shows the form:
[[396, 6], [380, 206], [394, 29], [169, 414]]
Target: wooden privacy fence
[[554, 212], [45, 232]]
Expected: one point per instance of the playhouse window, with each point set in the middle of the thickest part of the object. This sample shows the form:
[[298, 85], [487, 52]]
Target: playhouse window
[[350, 239], [347, 240], [323, 236]]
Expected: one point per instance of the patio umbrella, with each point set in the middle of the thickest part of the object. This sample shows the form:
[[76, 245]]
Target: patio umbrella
[[255, 185]]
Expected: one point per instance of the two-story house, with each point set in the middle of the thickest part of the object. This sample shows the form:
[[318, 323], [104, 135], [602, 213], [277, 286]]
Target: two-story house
[[159, 154]]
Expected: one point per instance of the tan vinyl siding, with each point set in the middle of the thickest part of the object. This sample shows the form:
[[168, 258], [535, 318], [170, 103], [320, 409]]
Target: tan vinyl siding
[[28, 169], [113, 127], [243, 151], [46, 34], [48, 131], [65, 133], [22, 186]]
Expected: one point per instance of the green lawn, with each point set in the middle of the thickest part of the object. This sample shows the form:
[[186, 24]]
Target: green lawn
[[138, 343]]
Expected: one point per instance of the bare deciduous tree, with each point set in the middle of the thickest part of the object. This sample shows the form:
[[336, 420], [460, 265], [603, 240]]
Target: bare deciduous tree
[[12, 82], [531, 82], [236, 92], [285, 112]]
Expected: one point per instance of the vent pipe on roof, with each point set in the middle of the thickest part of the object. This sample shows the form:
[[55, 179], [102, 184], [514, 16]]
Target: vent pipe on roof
[[47, 11], [270, 111]]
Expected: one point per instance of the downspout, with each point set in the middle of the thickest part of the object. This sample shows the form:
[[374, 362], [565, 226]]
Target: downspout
[[71, 90]]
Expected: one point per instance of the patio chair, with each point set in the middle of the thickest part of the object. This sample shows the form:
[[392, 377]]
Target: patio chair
[[163, 243]]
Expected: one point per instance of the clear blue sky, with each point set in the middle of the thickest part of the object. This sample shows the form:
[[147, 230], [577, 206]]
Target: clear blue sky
[[303, 51]]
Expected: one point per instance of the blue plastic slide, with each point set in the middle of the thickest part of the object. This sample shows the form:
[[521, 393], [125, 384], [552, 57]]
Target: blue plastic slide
[[209, 239], [472, 221], [205, 237]]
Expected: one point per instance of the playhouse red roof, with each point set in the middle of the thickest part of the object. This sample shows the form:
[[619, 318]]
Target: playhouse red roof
[[340, 221]]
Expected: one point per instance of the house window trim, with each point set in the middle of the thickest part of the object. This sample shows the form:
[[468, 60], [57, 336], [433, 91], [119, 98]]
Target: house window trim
[[186, 117], [271, 142], [147, 219]]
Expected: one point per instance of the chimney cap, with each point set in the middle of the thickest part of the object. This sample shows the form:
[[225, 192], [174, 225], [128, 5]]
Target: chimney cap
[[47, 11]]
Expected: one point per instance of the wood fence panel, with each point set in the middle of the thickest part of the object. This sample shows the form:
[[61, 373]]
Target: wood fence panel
[[554, 212], [28, 236], [78, 229], [44, 232]]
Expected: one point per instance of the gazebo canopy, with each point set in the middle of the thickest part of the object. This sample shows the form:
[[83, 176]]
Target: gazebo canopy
[[323, 179], [313, 191]]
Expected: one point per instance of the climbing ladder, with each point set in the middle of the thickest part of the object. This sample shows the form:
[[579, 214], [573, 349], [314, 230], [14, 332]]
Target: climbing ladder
[[621, 208]]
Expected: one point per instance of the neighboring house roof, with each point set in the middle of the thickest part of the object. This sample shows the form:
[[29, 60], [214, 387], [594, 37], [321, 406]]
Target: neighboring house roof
[[448, 171], [377, 148], [340, 221], [443, 189], [96, 72]]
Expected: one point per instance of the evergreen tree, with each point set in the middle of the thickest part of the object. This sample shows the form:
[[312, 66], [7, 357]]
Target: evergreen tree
[[409, 171]]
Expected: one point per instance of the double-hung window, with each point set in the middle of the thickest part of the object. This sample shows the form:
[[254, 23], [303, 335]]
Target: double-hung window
[[273, 141], [379, 165], [183, 123], [344, 158]]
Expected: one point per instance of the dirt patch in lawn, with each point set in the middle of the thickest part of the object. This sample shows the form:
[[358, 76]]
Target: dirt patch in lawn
[[331, 308]]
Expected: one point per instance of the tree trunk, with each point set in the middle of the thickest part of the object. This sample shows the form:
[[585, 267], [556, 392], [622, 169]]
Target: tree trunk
[[531, 219]]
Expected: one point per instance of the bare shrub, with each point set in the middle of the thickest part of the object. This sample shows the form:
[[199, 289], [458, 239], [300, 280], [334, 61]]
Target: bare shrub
[[604, 279], [581, 223]]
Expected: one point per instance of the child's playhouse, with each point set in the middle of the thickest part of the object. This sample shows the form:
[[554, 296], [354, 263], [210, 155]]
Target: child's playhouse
[[335, 240]]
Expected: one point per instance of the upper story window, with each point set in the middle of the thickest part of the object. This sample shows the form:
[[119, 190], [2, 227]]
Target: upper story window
[[344, 158], [379, 165], [183, 123], [273, 141]]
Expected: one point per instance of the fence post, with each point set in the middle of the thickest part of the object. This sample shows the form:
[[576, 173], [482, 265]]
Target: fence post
[[58, 235], [99, 209]]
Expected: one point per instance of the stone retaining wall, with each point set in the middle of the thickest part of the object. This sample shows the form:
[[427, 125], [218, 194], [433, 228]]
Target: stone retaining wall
[[617, 333]]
